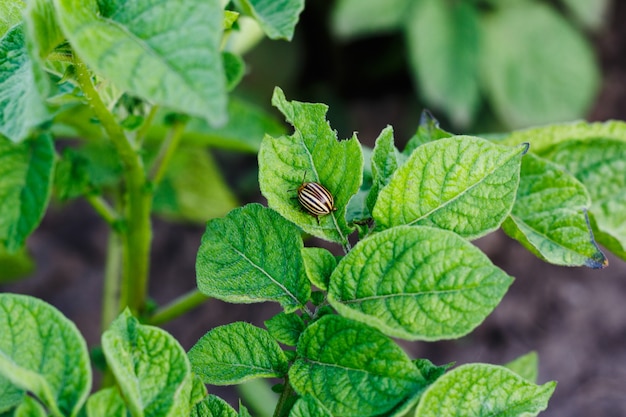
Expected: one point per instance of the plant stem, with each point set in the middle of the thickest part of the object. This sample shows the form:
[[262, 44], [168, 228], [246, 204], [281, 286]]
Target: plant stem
[[285, 401], [147, 123], [177, 307], [168, 147], [104, 209], [110, 292], [137, 235]]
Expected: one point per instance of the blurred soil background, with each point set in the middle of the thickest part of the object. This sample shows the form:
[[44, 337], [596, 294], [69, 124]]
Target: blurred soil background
[[575, 318]]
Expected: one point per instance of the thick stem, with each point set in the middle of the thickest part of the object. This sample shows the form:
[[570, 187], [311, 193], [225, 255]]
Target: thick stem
[[137, 233], [285, 402], [177, 307], [111, 290]]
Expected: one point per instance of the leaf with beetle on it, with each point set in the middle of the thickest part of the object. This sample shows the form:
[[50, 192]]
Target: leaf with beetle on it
[[463, 184], [313, 153]]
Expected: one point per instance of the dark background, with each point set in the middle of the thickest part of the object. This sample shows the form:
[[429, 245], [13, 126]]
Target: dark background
[[575, 318]]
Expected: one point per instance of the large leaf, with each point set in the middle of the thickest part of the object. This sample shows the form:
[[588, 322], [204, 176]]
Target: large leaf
[[550, 216], [536, 73], [352, 18], [601, 166], [331, 368], [235, 353], [461, 183], [417, 283], [41, 351], [277, 18], [25, 184], [164, 52], [443, 42], [151, 368], [483, 390], [21, 104], [312, 154], [253, 255]]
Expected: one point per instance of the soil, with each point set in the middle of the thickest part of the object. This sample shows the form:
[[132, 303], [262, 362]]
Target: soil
[[575, 318]]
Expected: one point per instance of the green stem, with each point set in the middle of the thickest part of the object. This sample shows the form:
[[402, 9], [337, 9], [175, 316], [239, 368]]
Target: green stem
[[285, 401], [166, 152], [177, 307], [104, 209], [137, 234], [147, 124], [110, 293]]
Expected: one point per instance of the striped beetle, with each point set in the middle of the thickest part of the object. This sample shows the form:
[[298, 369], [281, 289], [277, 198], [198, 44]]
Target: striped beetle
[[316, 199]]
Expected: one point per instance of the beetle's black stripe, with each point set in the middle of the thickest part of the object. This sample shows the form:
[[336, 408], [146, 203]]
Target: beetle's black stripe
[[315, 198]]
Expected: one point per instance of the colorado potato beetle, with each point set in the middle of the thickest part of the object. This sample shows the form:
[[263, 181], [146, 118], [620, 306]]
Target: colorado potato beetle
[[316, 199]]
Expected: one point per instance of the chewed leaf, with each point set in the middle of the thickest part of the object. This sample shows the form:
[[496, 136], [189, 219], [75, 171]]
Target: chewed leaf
[[550, 216], [253, 255], [483, 390], [417, 283], [462, 183], [311, 154], [331, 368]]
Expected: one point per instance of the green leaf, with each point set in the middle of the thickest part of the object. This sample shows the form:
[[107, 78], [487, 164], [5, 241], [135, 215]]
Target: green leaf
[[309, 406], [162, 52], [253, 255], [213, 406], [106, 403], [484, 390], [193, 188], [354, 18], [428, 131], [71, 177], [385, 161], [42, 352], [244, 131], [277, 18], [312, 153], [234, 68], [463, 184], [25, 185], [15, 266], [230, 18], [550, 216], [41, 28], [536, 74], [151, 368], [443, 44], [286, 328], [526, 366], [30, 408], [235, 353], [351, 368], [243, 411], [417, 283], [10, 14], [21, 105], [590, 13], [319, 264], [600, 165], [198, 391]]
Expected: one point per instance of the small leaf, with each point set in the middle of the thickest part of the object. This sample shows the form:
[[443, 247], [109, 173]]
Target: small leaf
[[550, 216], [71, 177], [25, 185], [230, 18], [526, 366], [234, 69], [319, 264], [307, 406], [198, 391], [42, 352], [253, 255], [532, 78], [417, 283], [600, 165], [235, 353], [354, 18], [331, 368], [106, 403], [277, 18], [30, 408], [162, 52], [385, 161], [193, 188], [286, 328], [463, 184], [150, 366], [312, 153], [484, 390], [21, 105], [213, 406], [443, 43], [428, 131]]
